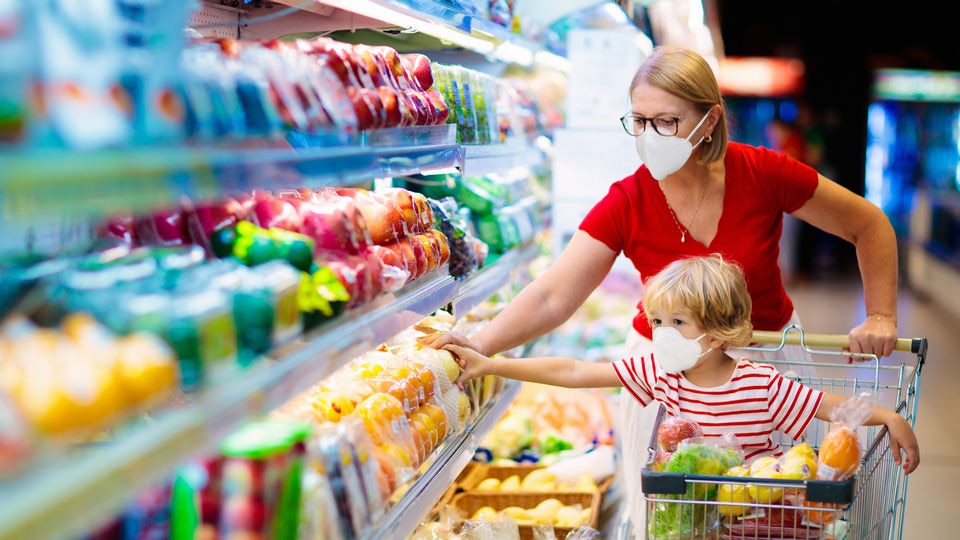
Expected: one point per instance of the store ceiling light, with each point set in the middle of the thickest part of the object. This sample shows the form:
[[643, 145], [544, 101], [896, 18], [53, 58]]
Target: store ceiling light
[[395, 17]]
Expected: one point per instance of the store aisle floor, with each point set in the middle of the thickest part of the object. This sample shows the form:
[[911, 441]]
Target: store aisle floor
[[934, 489]]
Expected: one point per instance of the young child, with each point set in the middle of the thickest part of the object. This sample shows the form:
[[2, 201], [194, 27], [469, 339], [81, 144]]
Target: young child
[[698, 307]]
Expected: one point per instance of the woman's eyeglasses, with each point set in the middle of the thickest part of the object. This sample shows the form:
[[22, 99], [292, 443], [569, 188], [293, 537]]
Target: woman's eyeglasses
[[664, 125]]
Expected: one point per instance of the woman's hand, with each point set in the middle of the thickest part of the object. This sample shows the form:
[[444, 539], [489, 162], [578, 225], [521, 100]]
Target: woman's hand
[[440, 340], [874, 336]]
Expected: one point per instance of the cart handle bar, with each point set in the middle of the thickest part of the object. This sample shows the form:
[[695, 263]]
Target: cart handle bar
[[913, 345]]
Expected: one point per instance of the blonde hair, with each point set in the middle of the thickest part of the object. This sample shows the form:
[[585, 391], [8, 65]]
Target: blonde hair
[[712, 289], [687, 75]]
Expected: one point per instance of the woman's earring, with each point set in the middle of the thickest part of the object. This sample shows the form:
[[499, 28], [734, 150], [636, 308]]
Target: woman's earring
[[709, 138]]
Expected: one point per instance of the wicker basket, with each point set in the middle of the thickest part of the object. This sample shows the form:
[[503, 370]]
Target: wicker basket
[[502, 472], [471, 501]]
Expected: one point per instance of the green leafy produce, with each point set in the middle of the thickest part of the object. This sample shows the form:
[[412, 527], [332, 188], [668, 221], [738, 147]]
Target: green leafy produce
[[681, 519]]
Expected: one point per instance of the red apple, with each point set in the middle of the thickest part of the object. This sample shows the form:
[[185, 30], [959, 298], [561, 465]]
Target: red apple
[[279, 213], [420, 253], [418, 65], [441, 244], [393, 107], [674, 429], [440, 107], [208, 217], [121, 227], [392, 268], [335, 223], [163, 227]]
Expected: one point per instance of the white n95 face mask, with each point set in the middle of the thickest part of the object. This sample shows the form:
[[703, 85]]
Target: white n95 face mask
[[665, 155], [673, 352]]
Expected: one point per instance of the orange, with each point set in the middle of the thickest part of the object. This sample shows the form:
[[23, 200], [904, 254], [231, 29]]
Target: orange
[[839, 455], [822, 517]]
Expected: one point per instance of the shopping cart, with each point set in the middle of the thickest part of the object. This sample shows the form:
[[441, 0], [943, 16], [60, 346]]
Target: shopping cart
[[870, 505]]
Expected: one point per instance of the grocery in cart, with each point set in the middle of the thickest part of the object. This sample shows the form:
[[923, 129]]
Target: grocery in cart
[[703, 490]]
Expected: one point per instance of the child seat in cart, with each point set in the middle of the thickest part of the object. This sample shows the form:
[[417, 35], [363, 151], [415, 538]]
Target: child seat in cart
[[868, 505]]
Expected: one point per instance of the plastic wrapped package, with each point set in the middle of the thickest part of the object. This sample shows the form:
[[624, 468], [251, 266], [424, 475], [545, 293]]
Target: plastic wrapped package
[[261, 479], [328, 453], [460, 239]]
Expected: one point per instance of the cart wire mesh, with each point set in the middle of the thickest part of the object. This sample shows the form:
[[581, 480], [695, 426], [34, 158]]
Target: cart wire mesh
[[868, 506]]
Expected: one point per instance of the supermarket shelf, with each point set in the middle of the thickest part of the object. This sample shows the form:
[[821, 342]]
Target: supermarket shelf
[[86, 487], [433, 18], [44, 183], [489, 280], [404, 517], [482, 160]]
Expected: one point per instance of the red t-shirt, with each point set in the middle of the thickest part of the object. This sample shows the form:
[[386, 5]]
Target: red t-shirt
[[633, 218]]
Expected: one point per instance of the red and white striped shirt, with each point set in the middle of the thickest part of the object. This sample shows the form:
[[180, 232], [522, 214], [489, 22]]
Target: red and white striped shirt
[[753, 404]]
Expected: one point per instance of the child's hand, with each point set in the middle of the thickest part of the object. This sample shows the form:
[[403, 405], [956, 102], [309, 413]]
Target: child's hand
[[470, 361], [903, 444]]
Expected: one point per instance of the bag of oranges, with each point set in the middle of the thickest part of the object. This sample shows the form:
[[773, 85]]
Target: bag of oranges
[[840, 451]]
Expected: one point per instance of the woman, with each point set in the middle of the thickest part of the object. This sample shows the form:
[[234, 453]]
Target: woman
[[696, 194]]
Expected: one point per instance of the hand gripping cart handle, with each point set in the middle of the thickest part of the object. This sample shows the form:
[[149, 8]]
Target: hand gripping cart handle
[[687, 505]]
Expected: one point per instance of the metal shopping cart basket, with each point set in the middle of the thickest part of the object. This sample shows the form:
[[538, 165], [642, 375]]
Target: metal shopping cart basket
[[869, 505]]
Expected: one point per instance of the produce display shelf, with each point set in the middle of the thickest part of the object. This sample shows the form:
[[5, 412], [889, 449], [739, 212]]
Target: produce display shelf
[[486, 159], [432, 18], [65, 495], [35, 183], [402, 519]]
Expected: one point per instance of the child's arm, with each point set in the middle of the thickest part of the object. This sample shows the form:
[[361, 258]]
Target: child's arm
[[903, 440], [552, 370]]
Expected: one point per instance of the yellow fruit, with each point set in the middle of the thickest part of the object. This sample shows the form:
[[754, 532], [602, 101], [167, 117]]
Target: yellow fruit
[[586, 483], [539, 480], [522, 515], [449, 363], [484, 513], [147, 368], [799, 463], [571, 516], [463, 407], [765, 467], [511, 483], [489, 484], [734, 493], [547, 509]]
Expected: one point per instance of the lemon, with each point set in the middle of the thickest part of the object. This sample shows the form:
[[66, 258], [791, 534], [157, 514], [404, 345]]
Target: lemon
[[734, 493], [765, 467]]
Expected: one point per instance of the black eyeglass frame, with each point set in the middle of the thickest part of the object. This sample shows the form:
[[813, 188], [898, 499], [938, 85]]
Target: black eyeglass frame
[[642, 119]]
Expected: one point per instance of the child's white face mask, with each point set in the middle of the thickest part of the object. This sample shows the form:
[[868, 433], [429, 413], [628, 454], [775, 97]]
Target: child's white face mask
[[673, 352]]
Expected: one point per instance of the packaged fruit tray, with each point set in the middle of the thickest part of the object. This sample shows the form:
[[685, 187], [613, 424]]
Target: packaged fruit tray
[[481, 472], [521, 503]]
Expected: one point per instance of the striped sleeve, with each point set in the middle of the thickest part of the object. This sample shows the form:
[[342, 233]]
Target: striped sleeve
[[793, 405], [634, 374]]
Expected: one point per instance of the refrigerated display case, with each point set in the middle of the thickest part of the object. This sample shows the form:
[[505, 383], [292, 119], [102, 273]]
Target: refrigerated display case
[[51, 196], [911, 172]]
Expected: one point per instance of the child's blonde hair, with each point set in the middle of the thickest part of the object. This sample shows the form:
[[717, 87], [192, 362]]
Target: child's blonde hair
[[712, 289]]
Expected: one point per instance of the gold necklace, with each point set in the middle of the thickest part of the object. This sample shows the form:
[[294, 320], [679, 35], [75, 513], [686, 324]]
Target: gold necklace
[[683, 230]]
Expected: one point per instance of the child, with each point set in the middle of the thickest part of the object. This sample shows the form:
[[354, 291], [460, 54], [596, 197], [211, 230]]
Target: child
[[698, 307]]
